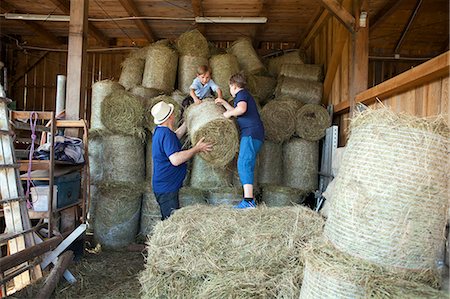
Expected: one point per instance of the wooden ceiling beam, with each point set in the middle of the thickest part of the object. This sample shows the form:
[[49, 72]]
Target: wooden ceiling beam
[[346, 18], [197, 8], [384, 13], [408, 25], [260, 28], [143, 26], [313, 29]]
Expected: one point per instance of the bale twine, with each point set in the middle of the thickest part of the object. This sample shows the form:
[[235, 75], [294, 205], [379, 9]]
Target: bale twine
[[144, 92], [308, 92], [95, 145], [192, 196], [301, 164], [117, 214], [122, 113], [132, 70], [148, 160], [308, 72], [256, 254], [160, 70], [279, 119], [280, 196], [187, 70], [123, 157], [261, 87], [393, 177], [223, 67], [270, 170], [246, 55], [148, 105], [178, 97], [312, 121], [207, 120], [206, 176], [332, 274], [100, 90], [193, 43], [150, 212], [228, 196], [275, 64]]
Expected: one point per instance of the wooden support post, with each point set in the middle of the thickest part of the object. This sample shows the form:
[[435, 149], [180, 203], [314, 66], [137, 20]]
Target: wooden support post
[[341, 14], [52, 280], [198, 12]]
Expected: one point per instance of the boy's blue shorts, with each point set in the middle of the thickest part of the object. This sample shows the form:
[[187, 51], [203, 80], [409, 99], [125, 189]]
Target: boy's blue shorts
[[249, 149]]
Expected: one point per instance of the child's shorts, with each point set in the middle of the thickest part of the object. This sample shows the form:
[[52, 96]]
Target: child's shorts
[[248, 150]]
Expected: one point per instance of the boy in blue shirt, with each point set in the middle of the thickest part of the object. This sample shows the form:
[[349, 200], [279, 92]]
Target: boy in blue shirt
[[252, 134], [169, 161]]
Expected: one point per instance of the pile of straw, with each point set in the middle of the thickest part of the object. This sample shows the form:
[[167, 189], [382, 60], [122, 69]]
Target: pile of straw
[[276, 63], [100, 90], [312, 122], [279, 119], [261, 87], [280, 196], [148, 159], [192, 196], [246, 55], [229, 196], [308, 72], [160, 70], [193, 43], [150, 212], [308, 92], [144, 92], [132, 70], [218, 252], [207, 120], [393, 177], [122, 113], [148, 105], [178, 97], [205, 176], [301, 164], [187, 70], [223, 67], [270, 170]]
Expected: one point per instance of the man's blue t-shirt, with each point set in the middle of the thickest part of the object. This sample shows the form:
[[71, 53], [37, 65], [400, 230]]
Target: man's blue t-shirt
[[250, 122], [166, 177]]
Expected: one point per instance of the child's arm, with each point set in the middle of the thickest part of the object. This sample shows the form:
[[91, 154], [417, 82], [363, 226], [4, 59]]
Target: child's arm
[[194, 97], [240, 109], [219, 93]]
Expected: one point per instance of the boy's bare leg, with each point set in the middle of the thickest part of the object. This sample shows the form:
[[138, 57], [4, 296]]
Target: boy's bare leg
[[248, 191]]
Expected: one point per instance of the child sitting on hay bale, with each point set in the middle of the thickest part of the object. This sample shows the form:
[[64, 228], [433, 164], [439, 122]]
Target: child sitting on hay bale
[[252, 134]]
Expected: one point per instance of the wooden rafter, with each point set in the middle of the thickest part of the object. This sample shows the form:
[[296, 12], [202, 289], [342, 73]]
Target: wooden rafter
[[314, 29], [143, 26], [384, 13], [260, 28], [64, 5], [197, 9], [346, 18], [408, 25]]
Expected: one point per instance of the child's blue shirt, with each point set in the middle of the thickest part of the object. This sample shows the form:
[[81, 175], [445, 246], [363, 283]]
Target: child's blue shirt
[[203, 91]]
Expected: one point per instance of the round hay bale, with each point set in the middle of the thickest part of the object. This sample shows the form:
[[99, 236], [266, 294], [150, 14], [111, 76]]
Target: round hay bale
[[229, 196], [223, 67], [393, 177], [246, 264], [117, 214], [214, 50], [336, 160], [144, 92], [207, 120], [301, 164], [280, 196], [140, 53], [308, 72], [160, 70], [132, 70], [206, 176], [275, 63], [148, 160], [270, 170], [150, 213], [148, 105], [95, 145], [193, 43], [122, 113], [100, 90], [124, 158], [246, 55], [312, 122], [187, 70], [261, 87], [92, 206], [192, 196], [308, 92], [279, 119], [178, 97]]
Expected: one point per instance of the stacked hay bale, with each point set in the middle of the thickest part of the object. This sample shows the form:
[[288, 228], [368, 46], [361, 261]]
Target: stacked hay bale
[[150, 212], [279, 196], [275, 64], [150, 102], [160, 70], [247, 57], [132, 71], [223, 67]]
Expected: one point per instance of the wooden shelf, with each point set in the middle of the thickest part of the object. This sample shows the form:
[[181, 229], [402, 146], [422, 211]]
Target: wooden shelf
[[38, 215]]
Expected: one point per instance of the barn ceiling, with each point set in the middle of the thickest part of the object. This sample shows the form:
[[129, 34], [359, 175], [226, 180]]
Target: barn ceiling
[[416, 28]]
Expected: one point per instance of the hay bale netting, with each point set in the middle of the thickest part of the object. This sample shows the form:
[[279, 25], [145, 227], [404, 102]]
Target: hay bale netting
[[308, 92], [246, 55], [160, 70], [187, 70], [393, 177], [123, 158], [123, 113], [193, 43], [148, 159], [245, 265], [150, 212], [100, 90], [223, 67], [279, 119], [148, 105], [132, 71], [117, 214], [311, 122], [270, 168], [261, 87], [279, 196], [275, 64], [308, 72], [144, 92], [206, 176], [228, 196], [207, 120], [301, 164], [178, 97], [332, 274], [192, 196]]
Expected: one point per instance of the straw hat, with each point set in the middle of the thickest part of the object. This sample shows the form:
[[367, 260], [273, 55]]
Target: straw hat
[[161, 112]]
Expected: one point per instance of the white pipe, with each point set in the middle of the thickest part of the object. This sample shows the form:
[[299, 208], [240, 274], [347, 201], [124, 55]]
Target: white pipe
[[231, 20], [60, 93]]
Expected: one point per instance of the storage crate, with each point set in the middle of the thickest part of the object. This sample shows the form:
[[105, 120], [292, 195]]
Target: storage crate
[[68, 188]]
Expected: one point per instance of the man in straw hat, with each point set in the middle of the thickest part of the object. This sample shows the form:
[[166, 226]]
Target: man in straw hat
[[169, 161]]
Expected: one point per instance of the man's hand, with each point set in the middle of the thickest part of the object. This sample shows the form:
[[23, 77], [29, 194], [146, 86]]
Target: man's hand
[[202, 146]]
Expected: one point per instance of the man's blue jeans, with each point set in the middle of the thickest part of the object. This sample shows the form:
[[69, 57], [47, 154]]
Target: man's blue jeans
[[168, 203]]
